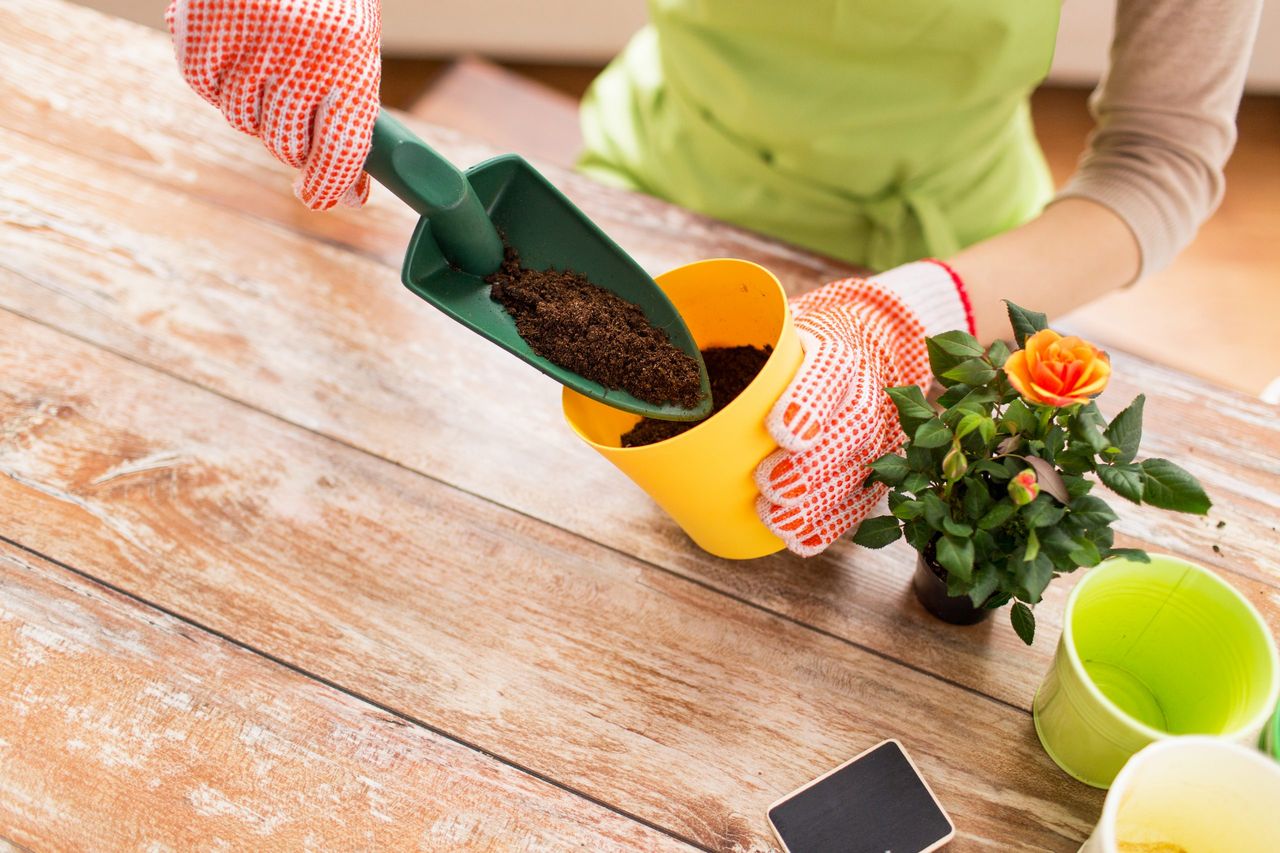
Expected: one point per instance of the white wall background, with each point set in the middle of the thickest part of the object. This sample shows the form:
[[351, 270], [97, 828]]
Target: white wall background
[[591, 31]]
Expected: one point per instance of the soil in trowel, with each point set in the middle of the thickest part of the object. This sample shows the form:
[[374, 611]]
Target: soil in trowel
[[730, 369], [595, 333]]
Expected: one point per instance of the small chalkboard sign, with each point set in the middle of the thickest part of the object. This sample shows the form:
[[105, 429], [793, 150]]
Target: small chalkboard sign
[[876, 802]]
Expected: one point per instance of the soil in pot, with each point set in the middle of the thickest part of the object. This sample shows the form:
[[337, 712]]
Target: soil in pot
[[595, 333], [730, 369], [930, 586]]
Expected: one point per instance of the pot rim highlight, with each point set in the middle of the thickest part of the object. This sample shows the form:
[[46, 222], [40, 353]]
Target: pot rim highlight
[[1259, 719]]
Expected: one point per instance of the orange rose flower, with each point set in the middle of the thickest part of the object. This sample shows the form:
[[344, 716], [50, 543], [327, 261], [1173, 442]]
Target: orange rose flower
[[1058, 371]]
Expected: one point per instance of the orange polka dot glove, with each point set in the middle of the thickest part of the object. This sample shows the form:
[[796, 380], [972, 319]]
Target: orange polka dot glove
[[859, 337], [301, 75]]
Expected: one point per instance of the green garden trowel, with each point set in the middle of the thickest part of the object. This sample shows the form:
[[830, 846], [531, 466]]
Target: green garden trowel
[[456, 244]]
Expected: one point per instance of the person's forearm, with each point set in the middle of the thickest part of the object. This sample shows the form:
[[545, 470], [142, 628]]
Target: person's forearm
[[1074, 252]]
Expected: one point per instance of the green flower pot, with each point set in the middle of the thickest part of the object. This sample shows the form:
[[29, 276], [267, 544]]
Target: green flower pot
[[1150, 650]]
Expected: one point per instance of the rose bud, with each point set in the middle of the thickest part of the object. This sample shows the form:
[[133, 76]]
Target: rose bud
[[1023, 488], [954, 464]]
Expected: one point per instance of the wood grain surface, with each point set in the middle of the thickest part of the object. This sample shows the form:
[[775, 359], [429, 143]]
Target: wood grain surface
[[327, 340], [227, 406], [146, 121], [123, 727], [659, 696]]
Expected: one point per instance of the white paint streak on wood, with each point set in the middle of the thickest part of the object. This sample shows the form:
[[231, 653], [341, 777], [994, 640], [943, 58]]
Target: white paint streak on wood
[[144, 464]]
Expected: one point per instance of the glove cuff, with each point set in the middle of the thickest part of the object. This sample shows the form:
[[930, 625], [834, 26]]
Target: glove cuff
[[935, 292]]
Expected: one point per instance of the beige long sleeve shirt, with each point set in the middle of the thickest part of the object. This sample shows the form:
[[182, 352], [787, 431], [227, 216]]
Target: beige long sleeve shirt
[[1165, 116]]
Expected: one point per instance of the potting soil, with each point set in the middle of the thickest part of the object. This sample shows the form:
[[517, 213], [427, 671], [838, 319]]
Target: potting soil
[[595, 333], [730, 369]]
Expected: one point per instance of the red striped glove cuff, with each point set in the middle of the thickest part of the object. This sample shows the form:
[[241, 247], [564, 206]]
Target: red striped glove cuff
[[935, 292]]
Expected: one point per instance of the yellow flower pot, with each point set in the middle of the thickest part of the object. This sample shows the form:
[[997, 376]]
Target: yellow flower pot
[[703, 477]]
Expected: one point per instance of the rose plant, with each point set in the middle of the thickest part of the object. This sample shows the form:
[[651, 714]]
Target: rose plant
[[993, 486]]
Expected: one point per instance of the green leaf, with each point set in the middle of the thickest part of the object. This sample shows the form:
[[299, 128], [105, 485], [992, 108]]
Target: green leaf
[[934, 510], [993, 468], [1000, 599], [949, 349], [1020, 415], [940, 361], [1087, 432], [1125, 431], [1085, 553], [953, 395], [920, 459], [985, 544], [976, 400], [972, 371], [997, 515], [1076, 485], [1033, 577], [1077, 460], [958, 343], [1024, 621], [956, 556], [998, 353], [1135, 554], [915, 482], [1125, 480], [1056, 542], [918, 534], [985, 581], [956, 528], [1169, 487], [906, 509], [932, 433], [985, 427], [968, 424], [1025, 323], [913, 409], [976, 500], [1092, 512], [877, 532], [957, 586], [890, 469], [1054, 442], [1042, 512], [987, 430]]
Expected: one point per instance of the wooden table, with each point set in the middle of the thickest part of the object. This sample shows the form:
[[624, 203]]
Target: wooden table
[[288, 559]]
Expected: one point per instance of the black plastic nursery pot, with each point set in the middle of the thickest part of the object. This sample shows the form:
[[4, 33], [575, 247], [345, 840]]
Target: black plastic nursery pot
[[930, 586]]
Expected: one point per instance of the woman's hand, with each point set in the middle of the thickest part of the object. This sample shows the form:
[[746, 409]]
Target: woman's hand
[[302, 75], [859, 337]]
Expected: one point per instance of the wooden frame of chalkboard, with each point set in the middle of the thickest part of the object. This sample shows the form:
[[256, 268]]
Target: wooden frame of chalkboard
[[876, 801]]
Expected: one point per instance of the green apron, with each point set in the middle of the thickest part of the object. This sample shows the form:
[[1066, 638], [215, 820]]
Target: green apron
[[877, 132]]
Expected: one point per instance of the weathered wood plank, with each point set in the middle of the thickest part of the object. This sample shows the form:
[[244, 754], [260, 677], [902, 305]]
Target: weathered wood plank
[[122, 727], [663, 698], [326, 339], [135, 113]]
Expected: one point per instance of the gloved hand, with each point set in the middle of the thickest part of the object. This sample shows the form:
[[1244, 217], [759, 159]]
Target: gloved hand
[[859, 337], [302, 75]]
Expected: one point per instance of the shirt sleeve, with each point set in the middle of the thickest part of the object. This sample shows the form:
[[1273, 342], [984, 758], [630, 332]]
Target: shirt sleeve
[[1165, 118]]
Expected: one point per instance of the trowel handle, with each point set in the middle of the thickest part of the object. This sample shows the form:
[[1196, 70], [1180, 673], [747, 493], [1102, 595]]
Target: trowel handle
[[434, 187]]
